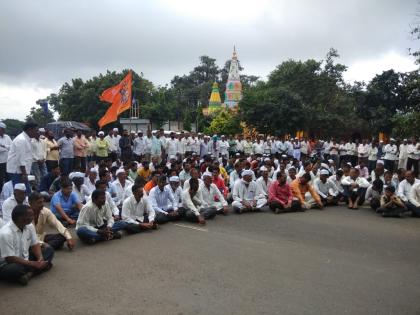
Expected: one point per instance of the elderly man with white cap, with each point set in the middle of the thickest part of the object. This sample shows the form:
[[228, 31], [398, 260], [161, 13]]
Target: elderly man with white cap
[[326, 189], [18, 198], [91, 179], [122, 187], [5, 143], [175, 186], [212, 196], [246, 194], [264, 181]]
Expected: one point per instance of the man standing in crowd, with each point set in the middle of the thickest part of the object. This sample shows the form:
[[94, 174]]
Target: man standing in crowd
[[80, 148], [19, 159], [66, 145], [39, 154], [5, 143]]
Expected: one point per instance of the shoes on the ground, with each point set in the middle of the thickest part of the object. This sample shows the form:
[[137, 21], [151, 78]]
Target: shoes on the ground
[[117, 235], [24, 279]]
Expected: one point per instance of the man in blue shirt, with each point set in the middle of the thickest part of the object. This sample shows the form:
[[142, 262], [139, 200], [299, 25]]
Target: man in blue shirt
[[65, 204]]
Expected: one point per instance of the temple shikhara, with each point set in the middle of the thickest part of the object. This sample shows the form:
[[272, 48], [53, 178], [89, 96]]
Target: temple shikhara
[[233, 93]]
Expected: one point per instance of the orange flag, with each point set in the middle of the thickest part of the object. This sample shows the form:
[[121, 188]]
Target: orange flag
[[120, 98]]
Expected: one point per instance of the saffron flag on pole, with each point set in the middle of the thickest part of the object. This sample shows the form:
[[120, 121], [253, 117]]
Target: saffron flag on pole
[[120, 98]]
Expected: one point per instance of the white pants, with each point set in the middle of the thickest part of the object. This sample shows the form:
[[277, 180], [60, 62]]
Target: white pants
[[260, 203]]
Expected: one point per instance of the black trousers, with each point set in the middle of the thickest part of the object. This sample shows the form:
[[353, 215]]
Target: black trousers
[[51, 164], [56, 241], [80, 163], [413, 164], [207, 213], [296, 206], [3, 174], [11, 272]]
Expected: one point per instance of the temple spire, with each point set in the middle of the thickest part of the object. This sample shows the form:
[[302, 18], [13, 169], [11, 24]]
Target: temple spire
[[233, 92]]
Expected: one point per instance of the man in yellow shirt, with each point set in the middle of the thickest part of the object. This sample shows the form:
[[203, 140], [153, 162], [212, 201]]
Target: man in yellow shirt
[[101, 147]]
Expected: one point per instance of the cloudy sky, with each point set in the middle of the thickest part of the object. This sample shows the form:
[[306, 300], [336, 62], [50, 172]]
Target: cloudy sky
[[45, 43]]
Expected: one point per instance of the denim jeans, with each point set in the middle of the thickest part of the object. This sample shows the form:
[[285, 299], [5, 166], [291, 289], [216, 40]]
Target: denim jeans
[[66, 166], [39, 171], [86, 234], [12, 271]]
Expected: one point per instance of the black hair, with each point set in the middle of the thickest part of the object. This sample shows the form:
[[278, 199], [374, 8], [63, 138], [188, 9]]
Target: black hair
[[390, 188], [194, 184], [162, 178], [97, 193], [65, 183], [19, 211], [378, 185], [307, 177], [34, 196], [100, 182], [136, 186], [29, 125]]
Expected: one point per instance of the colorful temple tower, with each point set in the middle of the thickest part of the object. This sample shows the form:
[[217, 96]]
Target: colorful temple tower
[[233, 92], [215, 102]]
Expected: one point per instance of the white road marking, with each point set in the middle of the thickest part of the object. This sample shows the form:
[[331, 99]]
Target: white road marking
[[191, 227]]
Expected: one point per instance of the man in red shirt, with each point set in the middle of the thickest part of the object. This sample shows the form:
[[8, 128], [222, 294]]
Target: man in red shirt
[[218, 180], [280, 197]]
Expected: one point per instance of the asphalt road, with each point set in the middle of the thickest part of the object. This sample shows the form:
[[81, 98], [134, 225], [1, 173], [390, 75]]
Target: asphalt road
[[335, 261]]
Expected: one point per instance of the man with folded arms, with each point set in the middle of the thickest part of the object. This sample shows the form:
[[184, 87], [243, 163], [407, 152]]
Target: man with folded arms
[[21, 255], [280, 197], [96, 223], [212, 196], [43, 217], [247, 195], [137, 211], [192, 202], [326, 189], [163, 202]]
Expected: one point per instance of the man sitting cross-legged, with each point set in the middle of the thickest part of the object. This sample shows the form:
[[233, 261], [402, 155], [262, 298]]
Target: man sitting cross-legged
[[326, 189], [355, 189], [247, 195], [43, 217], [18, 198], [137, 211], [21, 255], [163, 202], [305, 193], [280, 197], [193, 203], [212, 196], [65, 204], [96, 223]]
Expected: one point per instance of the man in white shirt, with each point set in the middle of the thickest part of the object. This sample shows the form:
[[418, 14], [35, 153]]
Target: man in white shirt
[[139, 146], [21, 255], [122, 187], [246, 194], [390, 157], [19, 159], [403, 156], [193, 203], [96, 223], [224, 147], [355, 189], [163, 202], [6, 192], [5, 143], [174, 185], [414, 200], [212, 196], [413, 156], [172, 145], [326, 189], [137, 211], [404, 190], [264, 182], [18, 198]]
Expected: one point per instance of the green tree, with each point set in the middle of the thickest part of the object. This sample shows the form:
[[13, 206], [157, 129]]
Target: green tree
[[13, 126], [40, 117], [224, 123]]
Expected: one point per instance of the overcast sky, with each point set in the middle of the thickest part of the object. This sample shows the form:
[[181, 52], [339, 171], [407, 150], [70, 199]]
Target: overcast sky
[[45, 43]]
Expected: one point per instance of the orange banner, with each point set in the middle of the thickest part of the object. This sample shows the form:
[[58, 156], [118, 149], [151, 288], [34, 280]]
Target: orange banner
[[120, 98]]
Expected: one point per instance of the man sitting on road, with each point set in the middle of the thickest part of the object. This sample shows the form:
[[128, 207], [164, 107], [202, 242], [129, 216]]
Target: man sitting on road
[[326, 189], [264, 181], [280, 197], [212, 196], [65, 204], [305, 193], [192, 202], [404, 189], [21, 255], [43, 217], [137, 211], [163, 202], [95, 222], [18, 198], [355, 189], [246, 194]]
